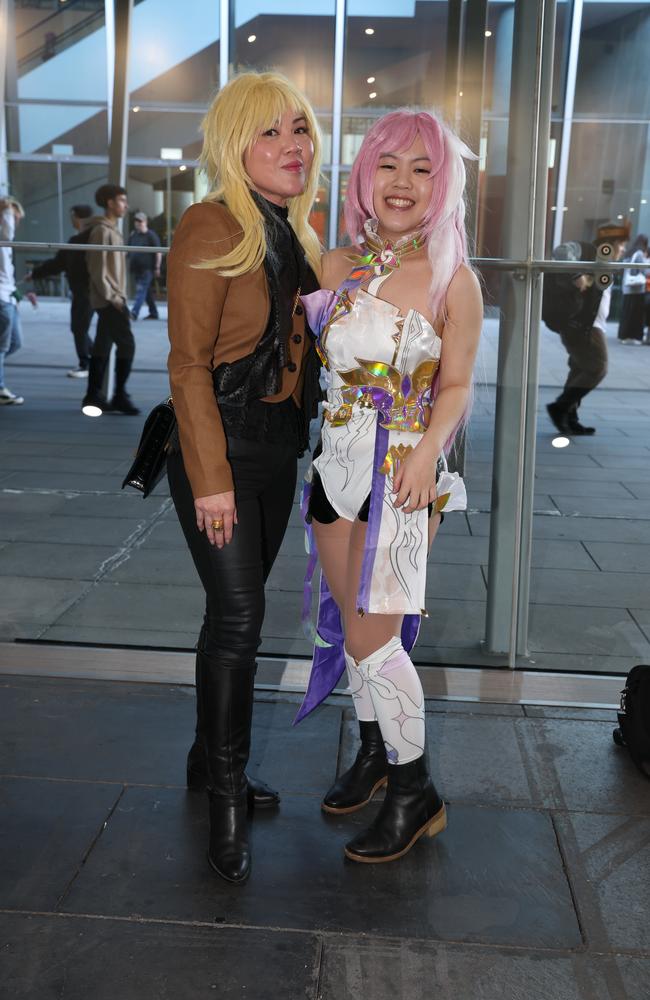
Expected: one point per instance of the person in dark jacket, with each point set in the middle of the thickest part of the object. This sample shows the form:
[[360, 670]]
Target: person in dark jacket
[[72, 263], [144, 267], [576, 305]]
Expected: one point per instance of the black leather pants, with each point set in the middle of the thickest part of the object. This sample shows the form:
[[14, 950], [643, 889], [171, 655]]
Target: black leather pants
[[233, 579]]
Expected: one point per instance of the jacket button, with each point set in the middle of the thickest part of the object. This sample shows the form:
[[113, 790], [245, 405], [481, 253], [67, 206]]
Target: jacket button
[[291, 367], [299, 310], [297, 339]]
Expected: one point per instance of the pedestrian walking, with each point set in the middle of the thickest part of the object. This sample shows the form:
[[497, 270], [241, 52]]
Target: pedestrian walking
[[107, 272], [72, 263], [630, 330], [11, 214], [144, 267]]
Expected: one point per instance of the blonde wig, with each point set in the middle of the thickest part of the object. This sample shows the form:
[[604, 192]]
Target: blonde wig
[[247, 106]]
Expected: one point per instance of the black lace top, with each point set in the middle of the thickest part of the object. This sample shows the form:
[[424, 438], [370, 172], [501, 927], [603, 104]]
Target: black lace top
[[242, 414]]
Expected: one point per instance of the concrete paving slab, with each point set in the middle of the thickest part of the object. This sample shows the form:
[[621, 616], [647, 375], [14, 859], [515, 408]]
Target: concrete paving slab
[[101, 531], [51, 826], [75, 480], [608, 858], [79, 958], [594, 505], [558, 629], [620, 557], [140, 734], [146, 565], [110, 635], [453, 624], [170, 608], [59, 463], [455, 582], [607, 488], [53, 561], [642, 618], [34, 600], [150, 862], [121, 504], [356, 967], [588, 589], [577, 714], [576, 766], [14, 502]]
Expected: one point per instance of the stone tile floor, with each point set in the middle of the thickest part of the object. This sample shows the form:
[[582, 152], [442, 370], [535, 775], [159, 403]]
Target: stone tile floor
[[539, 887], [80, 561]]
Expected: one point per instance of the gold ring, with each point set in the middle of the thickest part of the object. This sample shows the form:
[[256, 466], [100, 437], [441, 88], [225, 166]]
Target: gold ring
[[218, 525]]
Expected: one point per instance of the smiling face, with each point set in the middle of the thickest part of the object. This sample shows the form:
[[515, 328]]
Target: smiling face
[[279, 161], [402, 190]]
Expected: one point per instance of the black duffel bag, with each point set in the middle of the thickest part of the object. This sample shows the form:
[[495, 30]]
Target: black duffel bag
[[634, 717], [151, 455]]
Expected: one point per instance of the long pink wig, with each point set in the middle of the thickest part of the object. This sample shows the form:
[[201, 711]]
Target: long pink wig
[[444, 222]]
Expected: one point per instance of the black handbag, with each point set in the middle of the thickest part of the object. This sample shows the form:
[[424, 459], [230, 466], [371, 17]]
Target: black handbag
[[151, 454]]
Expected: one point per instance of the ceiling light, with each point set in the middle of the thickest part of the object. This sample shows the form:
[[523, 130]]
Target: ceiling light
[[619, 216], [644, 201], [182, 167], [460, 93], [488, 34], [632, 209], [251, 38], [560, 442], [372, 95], [370, 31], [371, 79], [136, 109]]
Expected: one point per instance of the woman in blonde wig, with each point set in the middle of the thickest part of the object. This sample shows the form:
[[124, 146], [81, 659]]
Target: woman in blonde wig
[[244, 380]]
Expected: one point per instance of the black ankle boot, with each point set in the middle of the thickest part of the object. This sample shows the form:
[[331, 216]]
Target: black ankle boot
[[121, 401], [260, 795], [227, 694], [575, 427], [559, 416], [94, 392], [356, 787], [411, 809]]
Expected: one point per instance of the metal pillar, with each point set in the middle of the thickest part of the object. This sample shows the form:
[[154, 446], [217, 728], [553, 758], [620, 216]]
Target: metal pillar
[[337, 122], [471, 103], [123, 19], [10, 132], [517, 373], [226, 15], [452, 60], [567, 120], [4, 40]]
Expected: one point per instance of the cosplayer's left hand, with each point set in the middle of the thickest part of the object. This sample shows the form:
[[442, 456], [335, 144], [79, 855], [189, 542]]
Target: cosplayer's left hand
[[414, 481]]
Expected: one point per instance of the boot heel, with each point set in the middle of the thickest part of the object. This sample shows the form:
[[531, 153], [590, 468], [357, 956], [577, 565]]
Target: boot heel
[[438, 823]]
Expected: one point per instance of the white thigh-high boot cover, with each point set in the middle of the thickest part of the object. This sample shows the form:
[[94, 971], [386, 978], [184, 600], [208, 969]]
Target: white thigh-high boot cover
[[360, 690], [398, 700]]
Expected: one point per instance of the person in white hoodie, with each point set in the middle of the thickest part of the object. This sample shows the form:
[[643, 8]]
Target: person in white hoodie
[[11, 213]]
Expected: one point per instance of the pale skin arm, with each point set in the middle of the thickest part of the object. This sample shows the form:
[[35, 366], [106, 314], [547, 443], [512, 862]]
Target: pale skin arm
[[415, 480], [218, 507]]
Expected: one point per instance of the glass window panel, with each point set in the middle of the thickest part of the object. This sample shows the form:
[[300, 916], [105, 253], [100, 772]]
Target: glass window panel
[[174, 57], [57, 46], [395, 56], [613, 64], [39, 128], [35, 186], [150, 131], [269, 34]]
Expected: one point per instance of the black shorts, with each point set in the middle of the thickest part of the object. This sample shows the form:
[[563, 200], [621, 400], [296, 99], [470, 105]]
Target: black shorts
[[322, 510]]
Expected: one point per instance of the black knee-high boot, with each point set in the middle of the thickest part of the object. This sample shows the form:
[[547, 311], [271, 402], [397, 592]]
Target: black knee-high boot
[[227, 694], [356, 787], [260, 795], [412, 808]]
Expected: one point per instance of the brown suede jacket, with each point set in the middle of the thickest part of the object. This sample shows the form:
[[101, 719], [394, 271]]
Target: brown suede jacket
[[212, 320]]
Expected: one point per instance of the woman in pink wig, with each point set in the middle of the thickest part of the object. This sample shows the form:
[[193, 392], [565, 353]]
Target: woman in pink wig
[[397, 323]]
